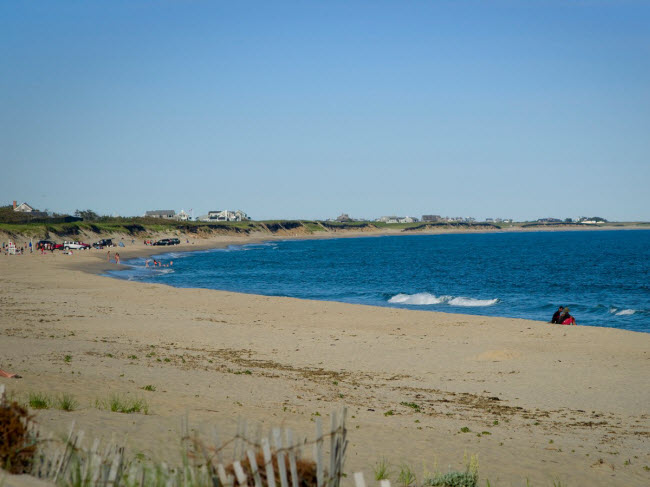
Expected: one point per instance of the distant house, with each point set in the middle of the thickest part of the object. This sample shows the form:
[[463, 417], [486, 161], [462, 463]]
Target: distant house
[[397, 219], [591, 222], [227, 216], [165, 214], [24, 208], [431, 218], [182, 216], [344, 217]]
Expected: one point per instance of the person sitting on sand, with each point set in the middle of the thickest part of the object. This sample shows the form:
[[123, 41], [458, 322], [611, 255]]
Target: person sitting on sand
[[567, 319], [556, 315], [9, 375]]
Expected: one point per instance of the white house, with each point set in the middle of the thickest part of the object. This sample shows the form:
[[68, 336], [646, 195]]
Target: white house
[[397, 219], [23, 207], [227, 216], [182, 216], [165, 214]]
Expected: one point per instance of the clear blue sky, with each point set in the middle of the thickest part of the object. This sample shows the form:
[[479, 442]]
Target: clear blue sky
[[307, 109]]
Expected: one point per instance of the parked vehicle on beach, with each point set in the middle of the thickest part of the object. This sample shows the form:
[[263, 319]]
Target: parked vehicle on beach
[[48, 245], [105, 242], [164, 241], [174, 241], [75, 246]]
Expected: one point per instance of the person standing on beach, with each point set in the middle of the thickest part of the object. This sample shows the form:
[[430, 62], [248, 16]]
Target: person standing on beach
[[108, 256], [117, 258]]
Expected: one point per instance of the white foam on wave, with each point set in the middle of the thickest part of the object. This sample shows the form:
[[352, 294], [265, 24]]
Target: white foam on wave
[[625, 312], [417, 299], [423, 299], [471, 302]]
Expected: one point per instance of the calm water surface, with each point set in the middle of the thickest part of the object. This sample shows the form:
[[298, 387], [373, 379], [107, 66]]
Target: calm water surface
[[603, 276]]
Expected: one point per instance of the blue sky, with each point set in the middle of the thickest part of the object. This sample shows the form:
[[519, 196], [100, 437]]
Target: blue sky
[[306, 109]]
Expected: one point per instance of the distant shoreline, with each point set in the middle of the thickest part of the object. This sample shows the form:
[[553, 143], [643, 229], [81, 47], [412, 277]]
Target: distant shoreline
[[162, 253], [219, 242]]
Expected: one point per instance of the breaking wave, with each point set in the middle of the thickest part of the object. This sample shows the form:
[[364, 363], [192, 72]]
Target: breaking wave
[[622, 312], [423, 299], [471, 302], [418, 299]]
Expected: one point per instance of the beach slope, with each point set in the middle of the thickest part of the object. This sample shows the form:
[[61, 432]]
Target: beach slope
[[532, 400]]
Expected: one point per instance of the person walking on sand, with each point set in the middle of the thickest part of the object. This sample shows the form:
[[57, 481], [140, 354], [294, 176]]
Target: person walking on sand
[[117, 258], [108, 255]]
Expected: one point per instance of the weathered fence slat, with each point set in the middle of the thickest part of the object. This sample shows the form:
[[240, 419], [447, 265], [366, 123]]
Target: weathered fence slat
[[268, 463], [254, 469], [359, 481], [318, 452], [292, 458], [221, 472], [280, 455], [239, 473]]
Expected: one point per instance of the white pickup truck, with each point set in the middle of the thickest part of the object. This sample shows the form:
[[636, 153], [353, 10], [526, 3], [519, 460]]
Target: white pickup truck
[[75, 246]]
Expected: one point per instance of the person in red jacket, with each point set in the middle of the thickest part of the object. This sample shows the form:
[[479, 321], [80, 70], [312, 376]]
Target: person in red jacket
[[567, 319]]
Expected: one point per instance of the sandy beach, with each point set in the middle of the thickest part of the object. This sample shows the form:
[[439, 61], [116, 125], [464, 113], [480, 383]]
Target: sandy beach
[[542, 402]]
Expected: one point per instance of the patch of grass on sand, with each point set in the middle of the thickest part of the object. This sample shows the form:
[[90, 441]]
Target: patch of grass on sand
[[39, 400], [467, 478], [66, 402], [415, 407], [121, 404], [406, 476], [382, 469], [149, 387]]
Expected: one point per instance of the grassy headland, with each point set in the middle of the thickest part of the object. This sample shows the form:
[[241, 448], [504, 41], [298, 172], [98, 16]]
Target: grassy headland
[[22, 225]]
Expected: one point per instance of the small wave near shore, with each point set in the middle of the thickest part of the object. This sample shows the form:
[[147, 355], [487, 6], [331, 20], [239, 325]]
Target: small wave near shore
[[424, 299]]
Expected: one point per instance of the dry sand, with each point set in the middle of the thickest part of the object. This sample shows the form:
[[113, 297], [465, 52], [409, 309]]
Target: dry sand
[[542, 402]]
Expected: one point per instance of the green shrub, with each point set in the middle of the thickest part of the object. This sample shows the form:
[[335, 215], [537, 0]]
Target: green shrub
[[17, 446], [121, 404], [38, 400], [66, 402]]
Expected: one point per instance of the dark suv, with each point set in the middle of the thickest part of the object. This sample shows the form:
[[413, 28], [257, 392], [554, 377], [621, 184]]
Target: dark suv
[[164, 241], [105, 242]]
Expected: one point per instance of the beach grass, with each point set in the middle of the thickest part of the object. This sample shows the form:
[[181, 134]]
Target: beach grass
[[122, 404], [66, 402], [382, 469], [39, 400]]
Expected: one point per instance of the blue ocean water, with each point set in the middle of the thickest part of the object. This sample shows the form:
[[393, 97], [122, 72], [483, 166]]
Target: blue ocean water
[[603, 276]]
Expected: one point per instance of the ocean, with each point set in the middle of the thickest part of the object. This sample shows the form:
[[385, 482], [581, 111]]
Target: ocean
[[603, 276]]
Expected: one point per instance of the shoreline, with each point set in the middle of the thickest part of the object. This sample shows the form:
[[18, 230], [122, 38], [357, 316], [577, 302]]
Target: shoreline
[[217, 242], [219, 355], [243, 241]]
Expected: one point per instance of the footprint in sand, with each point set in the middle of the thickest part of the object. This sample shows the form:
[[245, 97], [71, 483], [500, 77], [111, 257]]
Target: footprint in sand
[[498, 355]]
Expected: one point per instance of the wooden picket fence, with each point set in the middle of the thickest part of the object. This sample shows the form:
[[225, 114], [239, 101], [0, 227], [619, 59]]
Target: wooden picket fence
[[266, 462]]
